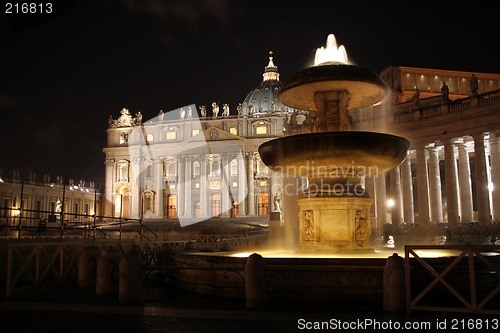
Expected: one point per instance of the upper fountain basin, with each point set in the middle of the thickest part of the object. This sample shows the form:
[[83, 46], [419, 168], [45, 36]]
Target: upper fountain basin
[[304, 154], [365, 87]]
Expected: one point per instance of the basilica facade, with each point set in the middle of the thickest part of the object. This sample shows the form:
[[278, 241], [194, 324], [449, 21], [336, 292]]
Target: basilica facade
[[196, 163]]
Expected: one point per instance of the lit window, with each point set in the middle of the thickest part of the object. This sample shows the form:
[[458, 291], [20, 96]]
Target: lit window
[[172, 186], [122, 171], [150, 137], [261, 130], [215, 168], [195, 131], [171, 170], [233, 130], [196, 169], [234, 168], [263, 183], [196, 185], [171, 135], [235, 184], [123, 137]]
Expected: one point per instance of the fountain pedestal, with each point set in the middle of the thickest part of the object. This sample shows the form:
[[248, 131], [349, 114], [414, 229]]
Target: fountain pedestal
[[339, 224]]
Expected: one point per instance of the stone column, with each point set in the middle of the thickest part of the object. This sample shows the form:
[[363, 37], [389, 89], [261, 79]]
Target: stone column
[[407, 184], [464, 183], [450, 171], [203, 186], [160, 187], [109, 198], [251, 184], [436, 202], [226, 203], [180, 186], [422, 188], [136, 184], [495, 174], [397, 209], [482, 194], [188, 206], [381, 201], [242, 186]]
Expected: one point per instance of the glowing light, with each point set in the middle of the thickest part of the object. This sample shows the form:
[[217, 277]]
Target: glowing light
[[241, 255], [390, 203], [331, 53], [436, 253]]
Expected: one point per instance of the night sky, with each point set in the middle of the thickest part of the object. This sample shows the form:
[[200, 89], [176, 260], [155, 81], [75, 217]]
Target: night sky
[[63, 74]]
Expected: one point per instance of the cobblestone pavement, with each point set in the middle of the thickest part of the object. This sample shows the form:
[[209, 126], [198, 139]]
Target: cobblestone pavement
[[67, 309]]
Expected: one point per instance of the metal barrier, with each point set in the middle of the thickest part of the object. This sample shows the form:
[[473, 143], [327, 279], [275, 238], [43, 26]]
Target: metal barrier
[[474, 302], [35, 264], [31, 265]]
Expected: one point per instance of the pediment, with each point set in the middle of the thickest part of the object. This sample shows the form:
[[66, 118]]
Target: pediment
[[213, 134]]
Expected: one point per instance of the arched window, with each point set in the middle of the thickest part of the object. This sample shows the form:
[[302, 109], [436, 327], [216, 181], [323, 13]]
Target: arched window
[[170, 169], [234, 167], [122, 172], [215, 168], [196, 169]]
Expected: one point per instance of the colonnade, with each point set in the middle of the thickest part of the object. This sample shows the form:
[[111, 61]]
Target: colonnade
[[461, 190]]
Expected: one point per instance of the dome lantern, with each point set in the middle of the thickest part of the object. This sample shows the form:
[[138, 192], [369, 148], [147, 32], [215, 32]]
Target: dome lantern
[[263, 99], [271, 70]]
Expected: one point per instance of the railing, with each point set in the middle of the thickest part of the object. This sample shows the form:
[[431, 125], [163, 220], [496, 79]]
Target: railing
[[487, 98], [32, 265], [68, 226], [233, 241], [474, 297]]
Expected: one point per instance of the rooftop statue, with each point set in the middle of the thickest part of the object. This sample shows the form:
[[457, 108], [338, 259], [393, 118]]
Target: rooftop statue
[[215, 110], [203, 111], [445, 92], [225, 110], [474, 85], [239, 108], [138, 118], [125, 120]]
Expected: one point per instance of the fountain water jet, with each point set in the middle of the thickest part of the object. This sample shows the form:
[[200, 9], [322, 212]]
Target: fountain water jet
[[334, 209]]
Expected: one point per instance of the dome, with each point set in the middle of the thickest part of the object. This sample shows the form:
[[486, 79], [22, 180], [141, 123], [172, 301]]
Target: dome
[[263, 100]]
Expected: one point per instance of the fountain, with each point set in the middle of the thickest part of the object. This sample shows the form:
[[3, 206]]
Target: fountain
[[335, 262], [334, 209]]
